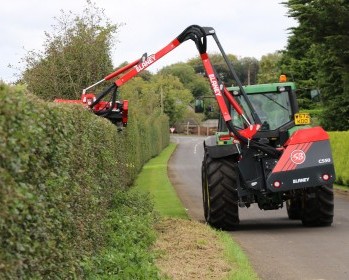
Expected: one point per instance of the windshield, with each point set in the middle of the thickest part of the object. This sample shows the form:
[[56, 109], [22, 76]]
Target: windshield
[[273, 109]]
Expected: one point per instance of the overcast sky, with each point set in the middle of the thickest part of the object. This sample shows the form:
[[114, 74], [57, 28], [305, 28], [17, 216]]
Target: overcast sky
[[245, 27]]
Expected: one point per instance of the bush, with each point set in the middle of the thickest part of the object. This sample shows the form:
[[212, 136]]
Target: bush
[[60, 167]]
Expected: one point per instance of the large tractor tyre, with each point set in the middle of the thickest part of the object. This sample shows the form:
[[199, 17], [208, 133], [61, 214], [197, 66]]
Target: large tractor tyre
[[294, 208], [220, 195], [318, 206], [204, 190]]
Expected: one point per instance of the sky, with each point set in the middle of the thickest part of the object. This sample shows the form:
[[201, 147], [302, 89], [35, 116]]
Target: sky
[[245, 28]]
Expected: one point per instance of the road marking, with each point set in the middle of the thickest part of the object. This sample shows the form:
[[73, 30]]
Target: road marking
[[195, 147]]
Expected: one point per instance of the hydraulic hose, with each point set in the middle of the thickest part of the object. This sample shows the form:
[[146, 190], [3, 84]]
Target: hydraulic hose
[[197, 34], [106, 112], [103, 94]]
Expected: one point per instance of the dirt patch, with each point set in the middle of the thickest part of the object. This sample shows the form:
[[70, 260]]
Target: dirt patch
[[342, 193], [189, 250]]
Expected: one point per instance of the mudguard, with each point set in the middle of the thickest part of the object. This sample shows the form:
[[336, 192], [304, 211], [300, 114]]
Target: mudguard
[[219, 151]]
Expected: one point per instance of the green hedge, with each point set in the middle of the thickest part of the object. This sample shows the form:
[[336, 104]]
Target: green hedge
[[340, 150], [60, 167]]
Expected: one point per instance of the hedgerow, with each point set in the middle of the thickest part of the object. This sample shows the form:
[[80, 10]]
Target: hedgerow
[[60, 168]]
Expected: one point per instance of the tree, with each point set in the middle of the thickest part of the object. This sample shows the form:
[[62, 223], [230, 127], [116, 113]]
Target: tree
[[219, 64], [162, 93], [191, 80], [270, 69], [248, 68], [75, 55], [175, 98], [318, 53]]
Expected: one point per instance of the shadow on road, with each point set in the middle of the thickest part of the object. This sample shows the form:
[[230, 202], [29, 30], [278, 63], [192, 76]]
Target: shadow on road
[[277, 224]]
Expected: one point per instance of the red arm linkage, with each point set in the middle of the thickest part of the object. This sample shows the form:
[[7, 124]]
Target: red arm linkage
[[198, 35], [216, 87], [142, 65], [139, 66], [122, 70]]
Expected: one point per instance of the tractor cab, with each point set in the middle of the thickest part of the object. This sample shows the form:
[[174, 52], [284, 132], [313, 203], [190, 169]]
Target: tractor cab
[[273, 104], [276, 106]]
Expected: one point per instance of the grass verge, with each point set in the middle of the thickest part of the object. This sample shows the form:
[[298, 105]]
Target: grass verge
[[188, 249], [154, 179], [341, 189], [233, 253]]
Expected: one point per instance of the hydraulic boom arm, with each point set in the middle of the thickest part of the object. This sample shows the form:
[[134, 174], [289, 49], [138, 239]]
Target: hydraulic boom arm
[[199, 35]]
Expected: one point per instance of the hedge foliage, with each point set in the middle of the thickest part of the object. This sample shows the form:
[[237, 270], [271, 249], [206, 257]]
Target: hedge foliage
[[60, 167], [340, 151], [127, 254]]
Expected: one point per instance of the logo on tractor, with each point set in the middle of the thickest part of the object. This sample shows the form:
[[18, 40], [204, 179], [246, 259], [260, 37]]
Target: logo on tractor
[[215, 85], [150, 60], [300, 180], [297, 156]]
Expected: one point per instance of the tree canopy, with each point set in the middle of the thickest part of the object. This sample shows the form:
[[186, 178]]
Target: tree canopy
[[162, 93], [269, 68], [76, 54], [193, 81], [317, 55]]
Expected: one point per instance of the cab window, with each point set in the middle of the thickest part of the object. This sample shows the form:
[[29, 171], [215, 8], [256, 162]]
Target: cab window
[[274, 109]]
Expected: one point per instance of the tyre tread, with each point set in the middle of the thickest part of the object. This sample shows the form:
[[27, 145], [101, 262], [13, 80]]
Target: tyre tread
[[222, 185]]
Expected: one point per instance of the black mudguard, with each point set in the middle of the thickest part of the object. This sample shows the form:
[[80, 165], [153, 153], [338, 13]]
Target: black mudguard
[[219, 151]]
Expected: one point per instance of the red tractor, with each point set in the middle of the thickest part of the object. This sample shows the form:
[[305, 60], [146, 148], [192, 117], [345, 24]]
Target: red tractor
[[259, 155]]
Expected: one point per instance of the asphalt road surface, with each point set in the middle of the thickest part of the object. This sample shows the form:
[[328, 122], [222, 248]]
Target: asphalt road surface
[[278, 248]]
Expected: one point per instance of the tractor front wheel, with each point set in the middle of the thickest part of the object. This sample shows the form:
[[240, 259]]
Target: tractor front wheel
[[294, 208], [219, 191]]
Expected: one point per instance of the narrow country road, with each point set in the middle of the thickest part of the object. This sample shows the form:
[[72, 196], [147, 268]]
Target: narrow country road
[[279, 248]]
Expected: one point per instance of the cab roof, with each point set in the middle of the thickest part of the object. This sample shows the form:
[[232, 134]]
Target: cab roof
[[262, 88]]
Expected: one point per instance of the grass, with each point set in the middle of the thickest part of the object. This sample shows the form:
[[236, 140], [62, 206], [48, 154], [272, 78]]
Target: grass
[[233, 253], [341, 188], [154, 179]]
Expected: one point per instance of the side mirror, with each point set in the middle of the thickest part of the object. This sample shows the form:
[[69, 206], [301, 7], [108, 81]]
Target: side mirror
[[315, 95], [199, 106]]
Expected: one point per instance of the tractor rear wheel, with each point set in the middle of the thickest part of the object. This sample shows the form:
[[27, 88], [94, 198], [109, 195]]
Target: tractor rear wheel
[[318, 206], [219, 191]]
